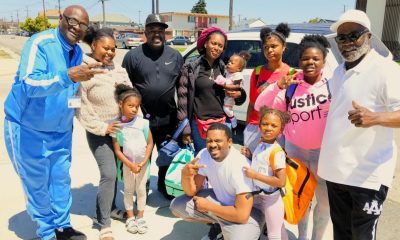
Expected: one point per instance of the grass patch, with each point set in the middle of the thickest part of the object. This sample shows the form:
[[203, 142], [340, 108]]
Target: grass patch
[[180, 49], [4, 54]]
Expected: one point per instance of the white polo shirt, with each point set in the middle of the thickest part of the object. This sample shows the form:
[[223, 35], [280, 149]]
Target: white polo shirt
[[362, 157]]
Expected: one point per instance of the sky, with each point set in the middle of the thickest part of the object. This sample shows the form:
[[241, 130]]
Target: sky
[[271, 12]]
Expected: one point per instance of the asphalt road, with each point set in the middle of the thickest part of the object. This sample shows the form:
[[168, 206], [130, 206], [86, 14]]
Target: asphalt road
[[388, 229]]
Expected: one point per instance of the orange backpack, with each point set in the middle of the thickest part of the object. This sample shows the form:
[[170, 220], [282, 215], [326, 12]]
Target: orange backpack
[[299, 188]]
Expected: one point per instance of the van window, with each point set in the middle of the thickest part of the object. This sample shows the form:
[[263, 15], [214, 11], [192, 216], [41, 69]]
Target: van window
[[251, 46], [290, 56]]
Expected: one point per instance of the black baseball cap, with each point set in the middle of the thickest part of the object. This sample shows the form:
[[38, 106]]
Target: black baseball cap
[[155, 19]]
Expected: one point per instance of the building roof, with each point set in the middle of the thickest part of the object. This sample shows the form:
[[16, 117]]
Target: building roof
[[111, 18], [193, 14], [252, 22], [51, 13]]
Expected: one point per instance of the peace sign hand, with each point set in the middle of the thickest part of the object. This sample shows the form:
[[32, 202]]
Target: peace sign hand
[[192, 168], [288, 80]]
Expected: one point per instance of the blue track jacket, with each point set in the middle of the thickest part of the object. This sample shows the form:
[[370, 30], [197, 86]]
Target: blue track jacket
[[39, 96]]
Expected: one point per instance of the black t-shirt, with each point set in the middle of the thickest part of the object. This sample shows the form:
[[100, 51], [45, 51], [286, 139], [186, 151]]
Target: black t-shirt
[[156, 76], [208, 96]]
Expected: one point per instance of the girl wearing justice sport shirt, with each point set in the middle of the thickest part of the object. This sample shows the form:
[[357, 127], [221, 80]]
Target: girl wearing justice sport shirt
[[308, 108]]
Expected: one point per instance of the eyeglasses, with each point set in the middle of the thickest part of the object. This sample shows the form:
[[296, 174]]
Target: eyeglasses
[[73, 22], [351, 37]]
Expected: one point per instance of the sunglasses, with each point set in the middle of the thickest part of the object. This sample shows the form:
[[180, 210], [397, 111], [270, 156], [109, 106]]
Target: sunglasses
[[351, 37], [73, 22]]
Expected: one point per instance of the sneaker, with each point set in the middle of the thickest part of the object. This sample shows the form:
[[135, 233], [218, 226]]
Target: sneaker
[[233, 122], [215, 233], [69, 234], [131, 225], [142, 225]]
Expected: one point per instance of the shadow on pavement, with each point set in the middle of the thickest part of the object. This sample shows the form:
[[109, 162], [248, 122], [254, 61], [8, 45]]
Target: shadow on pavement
[[16, 222], [83, 203], [186, 230]]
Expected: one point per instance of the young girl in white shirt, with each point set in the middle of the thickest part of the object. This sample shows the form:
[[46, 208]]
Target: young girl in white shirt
[[137, 142], [269, 179]]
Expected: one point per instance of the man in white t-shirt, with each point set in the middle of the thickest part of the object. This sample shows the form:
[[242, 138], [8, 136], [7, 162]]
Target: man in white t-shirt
[[358, 153], [230, 201]]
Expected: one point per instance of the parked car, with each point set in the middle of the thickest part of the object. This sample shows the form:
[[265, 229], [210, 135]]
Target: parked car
[[180, 40], [128, 40], [249, 40], [23, 33]]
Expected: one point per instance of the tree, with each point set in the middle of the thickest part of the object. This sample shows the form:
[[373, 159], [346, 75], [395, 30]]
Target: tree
[[314, 20], [38, 24], [200, 7]]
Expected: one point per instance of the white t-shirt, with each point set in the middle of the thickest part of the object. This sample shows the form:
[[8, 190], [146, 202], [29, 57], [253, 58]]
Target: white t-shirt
[[261, 164], [361, 157], [227, 177], [134, 139]]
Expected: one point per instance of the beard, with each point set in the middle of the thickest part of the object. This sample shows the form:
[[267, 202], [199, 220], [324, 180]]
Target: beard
[[358, 53]]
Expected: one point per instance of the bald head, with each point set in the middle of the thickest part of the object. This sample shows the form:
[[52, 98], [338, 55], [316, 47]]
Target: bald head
[[73, 23]]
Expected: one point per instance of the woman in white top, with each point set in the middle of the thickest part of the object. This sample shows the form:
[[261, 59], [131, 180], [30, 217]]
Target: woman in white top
[[97, 109]]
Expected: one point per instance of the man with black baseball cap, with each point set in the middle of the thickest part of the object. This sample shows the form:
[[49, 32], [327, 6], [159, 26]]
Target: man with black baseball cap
[[154, 69]]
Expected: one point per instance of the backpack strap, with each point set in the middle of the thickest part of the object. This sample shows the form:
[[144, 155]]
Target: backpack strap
[[328, 86], [258, 71], [146, 130], [180, 128], [272, 157], [289, 94]]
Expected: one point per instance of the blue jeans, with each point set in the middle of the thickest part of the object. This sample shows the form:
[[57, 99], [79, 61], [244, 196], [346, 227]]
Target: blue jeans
[[199, 142]]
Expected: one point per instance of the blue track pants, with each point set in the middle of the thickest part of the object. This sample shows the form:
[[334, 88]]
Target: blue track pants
[[42, 160]]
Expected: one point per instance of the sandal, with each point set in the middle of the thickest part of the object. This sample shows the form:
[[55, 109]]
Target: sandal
[[141, 225], [118, 214], [106, 234]]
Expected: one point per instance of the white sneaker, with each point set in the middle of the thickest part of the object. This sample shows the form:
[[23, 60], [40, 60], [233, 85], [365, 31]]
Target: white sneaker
[[131, 225], [141, 225]]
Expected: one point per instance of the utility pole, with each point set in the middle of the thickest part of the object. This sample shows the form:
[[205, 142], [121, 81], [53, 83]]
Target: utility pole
[[59, 7], [157, 7], [17, 19], [139, 20], [344, 7], [230, 14], [152, 7], [44, 9], [27, 11], [104, 13]]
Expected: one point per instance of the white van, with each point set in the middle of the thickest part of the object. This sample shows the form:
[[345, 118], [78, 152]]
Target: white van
[[249, 40]]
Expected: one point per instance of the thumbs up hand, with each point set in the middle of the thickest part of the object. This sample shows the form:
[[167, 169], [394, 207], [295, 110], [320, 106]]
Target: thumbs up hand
[[361, 116]]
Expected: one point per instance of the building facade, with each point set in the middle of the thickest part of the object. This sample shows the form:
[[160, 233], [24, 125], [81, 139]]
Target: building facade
[[385, 21], [191, 24]]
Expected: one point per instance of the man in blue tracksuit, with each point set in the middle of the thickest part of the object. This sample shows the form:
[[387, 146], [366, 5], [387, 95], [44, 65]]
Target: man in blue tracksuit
[[38, 124]]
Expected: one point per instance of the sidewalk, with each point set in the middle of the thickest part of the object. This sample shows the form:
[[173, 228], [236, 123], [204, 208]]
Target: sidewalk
[[16, 224]]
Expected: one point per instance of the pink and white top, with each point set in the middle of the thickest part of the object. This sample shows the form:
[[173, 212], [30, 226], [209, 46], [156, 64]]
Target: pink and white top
[[308, 108]]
